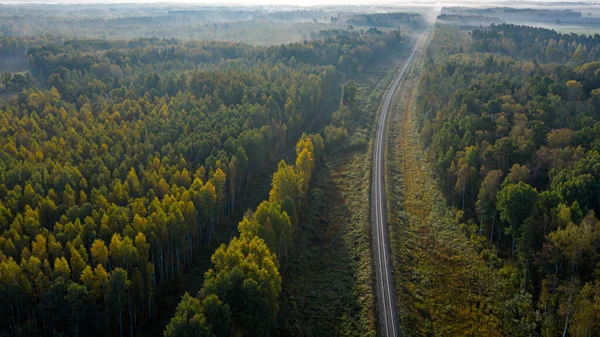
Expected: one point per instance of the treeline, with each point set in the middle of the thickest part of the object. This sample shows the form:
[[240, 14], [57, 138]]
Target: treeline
[[526, 15], [515, 144], [240, 294], [468, 19], [541, 44], [98, 66], [388, 20], [135, 159]]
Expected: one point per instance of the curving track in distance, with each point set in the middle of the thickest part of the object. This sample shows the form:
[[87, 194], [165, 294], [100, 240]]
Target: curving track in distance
[[386, 299]]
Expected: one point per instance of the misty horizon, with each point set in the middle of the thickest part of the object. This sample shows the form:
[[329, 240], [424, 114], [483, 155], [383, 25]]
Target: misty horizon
[[310, 3]]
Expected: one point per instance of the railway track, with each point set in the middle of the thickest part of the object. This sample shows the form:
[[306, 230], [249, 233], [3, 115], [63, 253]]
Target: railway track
[[388, 315]]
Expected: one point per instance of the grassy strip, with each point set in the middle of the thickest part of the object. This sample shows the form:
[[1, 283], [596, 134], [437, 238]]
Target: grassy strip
[[444, 287], [328, 277], [328, 287]]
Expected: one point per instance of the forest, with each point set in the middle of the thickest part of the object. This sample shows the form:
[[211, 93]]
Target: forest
[[468, 20], [188, 170], [541, 45], [510, 116], [124, 162], [557, 14], [390, 20]]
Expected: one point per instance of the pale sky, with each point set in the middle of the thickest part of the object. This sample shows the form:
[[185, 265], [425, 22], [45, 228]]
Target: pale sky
[[490, 3]]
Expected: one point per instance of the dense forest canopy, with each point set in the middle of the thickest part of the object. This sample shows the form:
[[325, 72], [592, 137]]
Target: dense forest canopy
[[122, 159], [543, 45], [510, 117]]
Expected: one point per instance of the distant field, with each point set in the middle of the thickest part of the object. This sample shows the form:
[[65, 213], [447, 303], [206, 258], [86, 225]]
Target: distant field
[[566, 29], [576, 29]]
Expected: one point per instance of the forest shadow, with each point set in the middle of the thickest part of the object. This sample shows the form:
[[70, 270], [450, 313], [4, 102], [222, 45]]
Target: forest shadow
[[319, 296]]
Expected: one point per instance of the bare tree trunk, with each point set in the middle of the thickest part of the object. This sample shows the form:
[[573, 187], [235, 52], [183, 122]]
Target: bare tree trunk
[[493, 227], [498, 241], [12, 320], [463, 195], [555, 278], [567, 320], [571, 291], [162, 265], [130, 317], [172, 267], [190, 247], [76, 327], [512, 252], [473, 196], [153, 271], [481, 219], [107, 314]]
